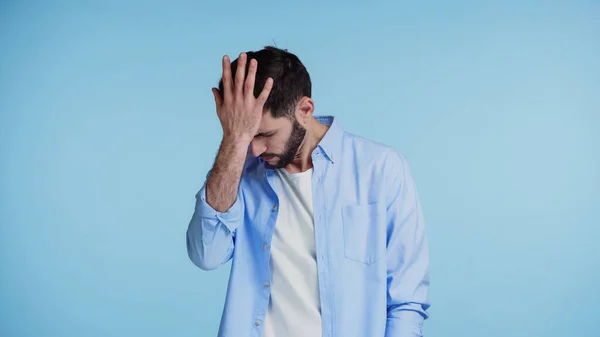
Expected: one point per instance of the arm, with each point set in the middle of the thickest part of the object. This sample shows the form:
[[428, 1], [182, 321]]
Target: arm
[[408, 254], [219, 209]]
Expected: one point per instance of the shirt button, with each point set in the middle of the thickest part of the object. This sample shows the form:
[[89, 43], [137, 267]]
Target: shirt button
[[257, 323], [267, 284], [275, 207]]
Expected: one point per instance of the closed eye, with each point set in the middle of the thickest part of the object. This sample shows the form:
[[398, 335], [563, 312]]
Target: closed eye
[[264, 134]]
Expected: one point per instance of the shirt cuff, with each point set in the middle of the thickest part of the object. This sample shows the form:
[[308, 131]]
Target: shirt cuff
[[229, 218]]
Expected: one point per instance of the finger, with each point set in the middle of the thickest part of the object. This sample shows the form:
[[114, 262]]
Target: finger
[[227, 91], [240, 74], [262, 98], [218, 98], [250, 79]]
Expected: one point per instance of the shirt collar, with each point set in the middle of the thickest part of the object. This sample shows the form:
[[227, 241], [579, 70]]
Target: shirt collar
[[331, 143]]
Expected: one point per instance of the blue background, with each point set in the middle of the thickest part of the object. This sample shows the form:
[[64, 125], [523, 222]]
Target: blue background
[[108, 127]]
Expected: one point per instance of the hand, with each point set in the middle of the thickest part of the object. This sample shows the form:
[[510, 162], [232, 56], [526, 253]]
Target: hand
[[239, 111]]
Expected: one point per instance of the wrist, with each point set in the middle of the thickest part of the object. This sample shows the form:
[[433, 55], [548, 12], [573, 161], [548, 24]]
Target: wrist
[[236, 141]]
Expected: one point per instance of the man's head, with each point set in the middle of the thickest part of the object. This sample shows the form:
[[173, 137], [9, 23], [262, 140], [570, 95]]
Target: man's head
[[282, 129]]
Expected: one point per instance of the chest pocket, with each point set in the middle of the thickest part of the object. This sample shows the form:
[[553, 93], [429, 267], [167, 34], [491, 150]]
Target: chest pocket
[[364, 232]]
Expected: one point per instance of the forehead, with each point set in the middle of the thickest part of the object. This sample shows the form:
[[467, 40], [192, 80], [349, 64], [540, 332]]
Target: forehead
[[268, 123]]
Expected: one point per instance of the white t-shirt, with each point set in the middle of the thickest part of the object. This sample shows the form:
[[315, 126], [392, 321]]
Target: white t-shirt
[[294, 309]]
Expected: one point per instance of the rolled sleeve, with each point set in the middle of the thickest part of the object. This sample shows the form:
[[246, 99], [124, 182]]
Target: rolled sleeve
[[210, 234], [230, 218]]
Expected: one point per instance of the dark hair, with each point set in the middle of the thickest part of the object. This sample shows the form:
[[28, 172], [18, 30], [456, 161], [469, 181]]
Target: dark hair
[[291, 81]]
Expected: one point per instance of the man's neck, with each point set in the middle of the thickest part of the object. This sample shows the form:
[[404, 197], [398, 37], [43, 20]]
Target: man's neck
[[315, 131]]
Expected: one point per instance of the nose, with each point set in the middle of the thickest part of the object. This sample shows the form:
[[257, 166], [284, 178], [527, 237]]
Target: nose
[[257, 147]]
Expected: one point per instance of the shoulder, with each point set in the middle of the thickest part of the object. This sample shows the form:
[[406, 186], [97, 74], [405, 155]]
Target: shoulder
[[368, 150]]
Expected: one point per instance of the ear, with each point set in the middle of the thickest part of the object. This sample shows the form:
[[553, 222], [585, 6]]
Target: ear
[[305, 109]]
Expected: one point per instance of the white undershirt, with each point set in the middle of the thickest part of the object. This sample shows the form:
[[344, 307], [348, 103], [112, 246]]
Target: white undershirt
[[294, 308]]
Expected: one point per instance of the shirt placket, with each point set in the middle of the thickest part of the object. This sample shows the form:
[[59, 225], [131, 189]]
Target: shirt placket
[[273, 207], [323, 261]]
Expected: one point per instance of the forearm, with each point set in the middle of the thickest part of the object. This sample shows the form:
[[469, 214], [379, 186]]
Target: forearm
[[224, 179], [219, 208]]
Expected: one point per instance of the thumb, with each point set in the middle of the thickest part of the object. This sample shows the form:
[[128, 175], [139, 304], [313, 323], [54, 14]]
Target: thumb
[[218, 98]]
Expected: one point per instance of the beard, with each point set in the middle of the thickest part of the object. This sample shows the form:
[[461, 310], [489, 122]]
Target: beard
[[291, 147]]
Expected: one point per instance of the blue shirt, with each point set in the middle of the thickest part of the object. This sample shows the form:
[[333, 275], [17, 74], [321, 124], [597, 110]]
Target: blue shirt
[[371, 244]]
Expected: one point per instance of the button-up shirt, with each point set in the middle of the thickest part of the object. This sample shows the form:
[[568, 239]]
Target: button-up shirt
[[371, 244]]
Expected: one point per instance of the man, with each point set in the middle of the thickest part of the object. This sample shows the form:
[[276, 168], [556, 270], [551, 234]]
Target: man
[[324, 228]]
